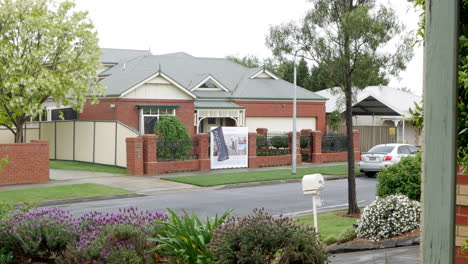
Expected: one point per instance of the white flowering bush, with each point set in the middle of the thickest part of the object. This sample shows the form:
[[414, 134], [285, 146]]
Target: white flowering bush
[[388, 217]]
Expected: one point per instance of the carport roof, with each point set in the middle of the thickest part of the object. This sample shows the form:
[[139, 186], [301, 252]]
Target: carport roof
[[372, 106]]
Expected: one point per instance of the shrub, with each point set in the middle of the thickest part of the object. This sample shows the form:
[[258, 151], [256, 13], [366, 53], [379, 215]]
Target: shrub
[[347, 235], [280, 142], [174, 140], [6, 256], [401, 178], [260, 238], [120, 237], [171, 128], [186, 237], [38, 234], [304, 141], [262, 142], [389, 217]]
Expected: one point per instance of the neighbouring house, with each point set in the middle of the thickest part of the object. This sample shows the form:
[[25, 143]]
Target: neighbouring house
[[378, 106], [202, 92]]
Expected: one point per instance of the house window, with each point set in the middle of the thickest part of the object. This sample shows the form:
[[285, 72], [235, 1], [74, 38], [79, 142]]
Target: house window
[[209, 84], [149, 117]]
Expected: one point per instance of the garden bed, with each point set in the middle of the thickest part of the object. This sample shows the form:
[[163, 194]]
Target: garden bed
[[360, 244]]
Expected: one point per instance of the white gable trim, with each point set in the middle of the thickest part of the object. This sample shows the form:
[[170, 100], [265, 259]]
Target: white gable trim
[[209, 77], [154, 76], [266, 72]]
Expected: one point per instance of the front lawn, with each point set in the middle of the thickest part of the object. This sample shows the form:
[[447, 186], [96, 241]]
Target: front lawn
[[329, 223], [84, 166], [57, 193], [258, 176]]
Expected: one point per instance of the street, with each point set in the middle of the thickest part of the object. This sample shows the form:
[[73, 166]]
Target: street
[[286, 199]]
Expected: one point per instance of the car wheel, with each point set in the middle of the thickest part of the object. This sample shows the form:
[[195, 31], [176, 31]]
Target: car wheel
[[370, 174]]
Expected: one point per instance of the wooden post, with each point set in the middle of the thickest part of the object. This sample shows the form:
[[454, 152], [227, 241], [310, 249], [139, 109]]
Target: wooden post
[[439, 168]]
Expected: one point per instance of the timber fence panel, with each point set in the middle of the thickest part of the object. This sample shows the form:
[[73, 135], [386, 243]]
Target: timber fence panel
[[84, 141], [64, 140], [104, 143], [123, 132], [47, 132]]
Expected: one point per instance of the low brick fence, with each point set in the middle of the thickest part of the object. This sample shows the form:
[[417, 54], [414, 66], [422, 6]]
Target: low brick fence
[[27, 162], [142, 153], [142, 157]]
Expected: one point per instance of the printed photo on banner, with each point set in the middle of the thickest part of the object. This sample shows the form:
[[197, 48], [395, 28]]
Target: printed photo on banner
[[229, 147]]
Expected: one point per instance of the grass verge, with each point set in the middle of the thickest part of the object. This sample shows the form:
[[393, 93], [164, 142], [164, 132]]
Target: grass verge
[[258, 176], [83, 166], [329, 223], [40, 194]]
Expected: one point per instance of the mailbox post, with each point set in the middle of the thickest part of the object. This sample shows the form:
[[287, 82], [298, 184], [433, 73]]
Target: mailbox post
[[313, 184]]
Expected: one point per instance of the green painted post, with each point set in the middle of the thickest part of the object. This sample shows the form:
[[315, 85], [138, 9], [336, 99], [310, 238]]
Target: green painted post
[[439, 178]]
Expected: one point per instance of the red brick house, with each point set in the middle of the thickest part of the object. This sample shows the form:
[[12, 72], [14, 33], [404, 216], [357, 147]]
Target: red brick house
[[202, 92]]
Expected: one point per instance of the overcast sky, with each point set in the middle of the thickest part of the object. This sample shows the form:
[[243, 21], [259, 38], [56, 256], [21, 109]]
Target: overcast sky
[[214, 28]]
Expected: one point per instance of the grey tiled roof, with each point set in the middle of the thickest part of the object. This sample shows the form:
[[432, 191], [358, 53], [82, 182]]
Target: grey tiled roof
[[188, 71], [216, 104], [114, 56]]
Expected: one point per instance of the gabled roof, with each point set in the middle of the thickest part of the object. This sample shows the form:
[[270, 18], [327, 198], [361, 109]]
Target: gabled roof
[[188, 71], [116, 56], [378, 100]]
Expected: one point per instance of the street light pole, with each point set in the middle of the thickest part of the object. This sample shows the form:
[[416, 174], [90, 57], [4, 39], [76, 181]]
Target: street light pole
[[294, 136]]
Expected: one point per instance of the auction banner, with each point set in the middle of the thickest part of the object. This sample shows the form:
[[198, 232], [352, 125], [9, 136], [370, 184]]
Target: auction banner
[[228, 147]]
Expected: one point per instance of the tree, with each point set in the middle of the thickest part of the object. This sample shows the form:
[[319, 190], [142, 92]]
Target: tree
[[250, 61], [346, 38], [171, 128], [47, 51]]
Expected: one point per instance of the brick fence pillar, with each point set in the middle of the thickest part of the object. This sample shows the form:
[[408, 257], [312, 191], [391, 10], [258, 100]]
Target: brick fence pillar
[[356, 138], [316, 147], [262, 131], [150, 148], [253, 150], [135, 163], [202, 151]]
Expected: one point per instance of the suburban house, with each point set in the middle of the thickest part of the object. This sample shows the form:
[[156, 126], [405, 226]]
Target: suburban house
[[378, 106], [202, 92]]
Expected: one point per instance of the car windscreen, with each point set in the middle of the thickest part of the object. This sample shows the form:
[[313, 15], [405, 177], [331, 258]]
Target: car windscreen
[[381, 149]]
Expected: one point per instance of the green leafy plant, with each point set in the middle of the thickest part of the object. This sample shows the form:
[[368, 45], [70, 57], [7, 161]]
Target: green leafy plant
[[401, 178], [186, 238], [389, 217], [280, 142], [334, 119], [259, 238], [6, 256], [347, 235], [173, 139], [262, 142], [3, 162]]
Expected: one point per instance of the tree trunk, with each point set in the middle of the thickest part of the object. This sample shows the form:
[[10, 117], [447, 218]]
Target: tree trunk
[[19, 132], [352, 202]]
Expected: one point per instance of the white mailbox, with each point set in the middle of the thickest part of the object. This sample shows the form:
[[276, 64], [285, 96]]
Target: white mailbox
[[312, 183]]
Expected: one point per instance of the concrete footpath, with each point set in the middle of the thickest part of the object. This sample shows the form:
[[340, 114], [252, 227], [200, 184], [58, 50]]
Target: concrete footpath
[[148, 185], [401, 255]]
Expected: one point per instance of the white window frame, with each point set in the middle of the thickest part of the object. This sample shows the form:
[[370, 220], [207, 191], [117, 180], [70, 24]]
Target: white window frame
[[157, 113]]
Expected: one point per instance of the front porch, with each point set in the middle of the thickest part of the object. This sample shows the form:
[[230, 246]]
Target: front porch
[[209, 114]]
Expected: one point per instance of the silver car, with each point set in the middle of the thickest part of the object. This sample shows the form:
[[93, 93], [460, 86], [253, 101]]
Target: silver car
[[382, 156]]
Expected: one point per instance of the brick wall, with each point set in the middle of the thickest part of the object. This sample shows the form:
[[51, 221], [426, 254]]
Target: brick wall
[[285, 109], [126, 111], [320, 157], [28, 162], [461, 217]]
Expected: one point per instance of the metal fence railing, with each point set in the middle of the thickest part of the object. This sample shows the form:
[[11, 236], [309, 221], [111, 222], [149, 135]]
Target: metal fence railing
[[273, 144], [171, 150], [334, 143]]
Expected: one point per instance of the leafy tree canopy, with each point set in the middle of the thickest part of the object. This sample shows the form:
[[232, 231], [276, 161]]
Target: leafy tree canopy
[[346, 39], [171, 128], [47, 50]]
